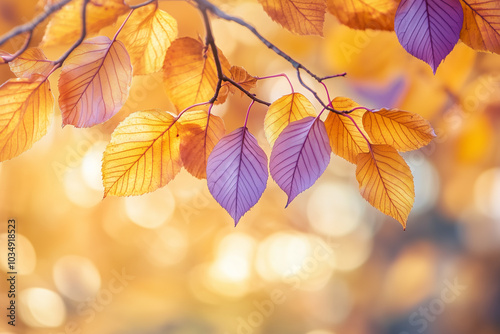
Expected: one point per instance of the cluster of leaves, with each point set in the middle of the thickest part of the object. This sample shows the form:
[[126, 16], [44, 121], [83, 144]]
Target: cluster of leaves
[[150, 147]]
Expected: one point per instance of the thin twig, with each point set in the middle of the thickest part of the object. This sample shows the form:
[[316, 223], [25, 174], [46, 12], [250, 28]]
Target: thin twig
[[82, 35], [30, 26], [205, 5]]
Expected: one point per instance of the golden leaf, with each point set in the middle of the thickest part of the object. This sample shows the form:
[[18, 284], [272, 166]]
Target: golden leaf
[[365, 14], [94, 82], [199, 135], [386, 182], [299, 16], [191, 73], [403, 130], [66, 25], [283, 111], [147, 35], [481, 28], [143, 154], [345, 139], [31, 61], [26, 108]]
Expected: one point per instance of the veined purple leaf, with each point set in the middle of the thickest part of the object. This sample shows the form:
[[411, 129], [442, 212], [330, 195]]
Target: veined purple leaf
[[300, 155], [429, 29], [237, 172]]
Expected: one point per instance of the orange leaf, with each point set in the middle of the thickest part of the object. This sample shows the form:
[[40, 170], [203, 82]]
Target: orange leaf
[[283, 111], [147, 36], [190, 72], [94, 82], [66, 25], [200, 133], [481, 28], [26, 108], [403, 130], [365, 14], [31, 61], [299, 16], [345, 139], [143, 154], [386, 182], [241, 76]]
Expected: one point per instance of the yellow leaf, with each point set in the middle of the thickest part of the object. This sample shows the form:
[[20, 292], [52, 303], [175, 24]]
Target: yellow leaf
[[386, 182], [283, 111], [199, 135], [190, 72], [31, 61], [26, 108], [299, 16], [94, 82], [481, 28], [345, 139], [143, 154], [403, 130], [147, 35], [66, 25], [241, 76], [365, 14]]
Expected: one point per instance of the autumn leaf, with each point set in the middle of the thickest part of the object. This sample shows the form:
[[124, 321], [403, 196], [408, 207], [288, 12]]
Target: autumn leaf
[[31, 61], [26, 108], [200, 133], [143, 154], [147, 36], [237, 172], [403, 130], [386, 182], [481, 28], [191, 73], [286, 109], [345, 139], [94, 82], [299, 156], [241, 76], [66, 25], [365, 14], [299, 16], [429, 29]]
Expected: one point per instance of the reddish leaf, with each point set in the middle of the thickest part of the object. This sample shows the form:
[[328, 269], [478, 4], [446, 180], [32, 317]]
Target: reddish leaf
[[200, 133], [300, 155], [237, 172], [94, 82], [481, 29]]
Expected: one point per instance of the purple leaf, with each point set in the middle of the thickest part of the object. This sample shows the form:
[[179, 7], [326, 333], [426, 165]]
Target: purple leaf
[[237, 172], [429, 29], [300, 155]]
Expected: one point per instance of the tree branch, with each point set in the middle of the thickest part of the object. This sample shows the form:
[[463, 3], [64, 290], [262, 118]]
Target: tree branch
[[205, 5], [30, 26]]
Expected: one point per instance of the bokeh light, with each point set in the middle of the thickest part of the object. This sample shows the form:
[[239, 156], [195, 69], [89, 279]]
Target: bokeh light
[[151, 210], [41, 308], [76, 277]]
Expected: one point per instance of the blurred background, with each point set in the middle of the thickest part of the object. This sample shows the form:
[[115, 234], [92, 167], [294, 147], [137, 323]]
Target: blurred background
[[172, 262]]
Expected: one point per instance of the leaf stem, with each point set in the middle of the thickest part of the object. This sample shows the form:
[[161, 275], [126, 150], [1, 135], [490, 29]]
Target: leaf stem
[[278, 75], [248, 113]]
